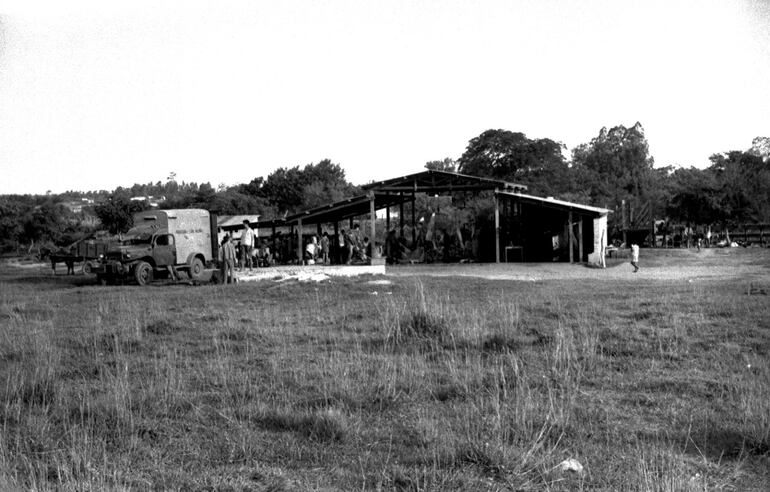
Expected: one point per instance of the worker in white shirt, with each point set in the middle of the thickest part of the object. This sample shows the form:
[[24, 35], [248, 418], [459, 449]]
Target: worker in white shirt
[[247, 244]]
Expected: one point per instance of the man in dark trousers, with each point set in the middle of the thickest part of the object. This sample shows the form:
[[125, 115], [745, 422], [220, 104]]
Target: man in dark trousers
[[227, 256]]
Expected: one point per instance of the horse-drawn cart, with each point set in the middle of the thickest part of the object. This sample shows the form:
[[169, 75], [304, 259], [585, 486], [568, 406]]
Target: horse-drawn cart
[[86, 251]]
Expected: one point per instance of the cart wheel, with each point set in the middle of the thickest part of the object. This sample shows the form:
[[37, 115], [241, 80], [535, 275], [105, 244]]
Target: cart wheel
[[88, 268], [143, 273]]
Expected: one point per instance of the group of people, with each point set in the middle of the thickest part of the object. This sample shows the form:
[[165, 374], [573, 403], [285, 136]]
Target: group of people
[[246, 254], [343, 248]]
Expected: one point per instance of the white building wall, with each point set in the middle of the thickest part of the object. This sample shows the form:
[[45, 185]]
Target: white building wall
[[600, 240]]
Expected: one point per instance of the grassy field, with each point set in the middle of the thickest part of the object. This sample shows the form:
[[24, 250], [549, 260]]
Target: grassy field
[[426, 383]]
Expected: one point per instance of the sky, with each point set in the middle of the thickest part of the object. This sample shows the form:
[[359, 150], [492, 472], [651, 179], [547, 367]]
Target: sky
[[95, 95]]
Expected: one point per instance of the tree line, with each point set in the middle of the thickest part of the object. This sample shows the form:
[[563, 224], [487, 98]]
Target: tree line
[[614, 166]]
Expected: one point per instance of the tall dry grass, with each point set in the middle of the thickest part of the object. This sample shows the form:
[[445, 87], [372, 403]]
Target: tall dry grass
[[431, 387]]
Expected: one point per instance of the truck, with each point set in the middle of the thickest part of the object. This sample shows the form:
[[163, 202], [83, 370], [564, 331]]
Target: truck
[[163, 243]]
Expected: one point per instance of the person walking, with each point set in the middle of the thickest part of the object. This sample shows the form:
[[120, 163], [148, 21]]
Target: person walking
[[247, 245], [635, 256], [227, 257]]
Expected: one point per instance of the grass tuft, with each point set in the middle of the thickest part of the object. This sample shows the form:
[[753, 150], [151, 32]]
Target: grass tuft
[[326, 425], [163, 327]]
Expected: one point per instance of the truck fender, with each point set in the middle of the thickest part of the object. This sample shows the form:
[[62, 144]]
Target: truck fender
[[191, 257]]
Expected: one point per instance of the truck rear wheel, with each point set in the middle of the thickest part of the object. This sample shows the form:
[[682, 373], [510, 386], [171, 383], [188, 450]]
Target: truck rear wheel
[[88, 268], [196, 269], [143, 273]]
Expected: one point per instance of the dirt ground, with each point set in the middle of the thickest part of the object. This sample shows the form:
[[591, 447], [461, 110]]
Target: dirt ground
[[655, 264], [750, 264]]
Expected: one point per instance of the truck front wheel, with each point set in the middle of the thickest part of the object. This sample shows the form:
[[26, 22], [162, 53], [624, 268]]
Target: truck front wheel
[[143, 273]]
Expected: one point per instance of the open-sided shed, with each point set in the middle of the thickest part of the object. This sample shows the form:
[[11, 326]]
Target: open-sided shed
[[395, 192], [545, 229], [384, 195], [527, 227]]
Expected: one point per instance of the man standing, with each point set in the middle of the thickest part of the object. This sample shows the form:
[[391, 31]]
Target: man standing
[[247, 244], [227, 257], [635, 256]]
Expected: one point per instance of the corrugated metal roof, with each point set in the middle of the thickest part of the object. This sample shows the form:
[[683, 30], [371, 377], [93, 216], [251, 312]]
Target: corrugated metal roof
[[235, 220], [557, 203], [431, 181]]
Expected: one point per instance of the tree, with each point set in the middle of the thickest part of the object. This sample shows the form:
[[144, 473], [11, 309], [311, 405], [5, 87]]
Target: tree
[[46, 222], [505, 155], [116, 213], [760, 147], [695, 197], [11, 210], [448, 165], [294, 189], [615, 165], [744, 181]]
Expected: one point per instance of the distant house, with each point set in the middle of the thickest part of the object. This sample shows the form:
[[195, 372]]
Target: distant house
[[76, 206], [149, 199]]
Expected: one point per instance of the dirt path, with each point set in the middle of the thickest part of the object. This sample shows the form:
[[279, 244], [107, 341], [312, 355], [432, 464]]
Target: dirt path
[[749, 264]]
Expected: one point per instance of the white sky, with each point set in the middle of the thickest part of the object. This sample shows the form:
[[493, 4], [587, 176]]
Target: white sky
[[95, 95]]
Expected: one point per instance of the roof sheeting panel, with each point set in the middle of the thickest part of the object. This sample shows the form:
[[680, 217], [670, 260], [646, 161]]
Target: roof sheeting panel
[[230, 221], [552, 202], [431, 181], [343, 209]]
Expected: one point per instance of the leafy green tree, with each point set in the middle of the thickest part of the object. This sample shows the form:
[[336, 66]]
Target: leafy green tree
[[760, 147], [695, 197], [12, 209], [47, 222], [448, 164], [116, 213], [511, 156], [294, 189], [615, 166], [744, 180]]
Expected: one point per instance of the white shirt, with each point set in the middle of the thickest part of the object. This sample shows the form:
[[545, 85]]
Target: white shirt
[[247, 237], [635, 253]]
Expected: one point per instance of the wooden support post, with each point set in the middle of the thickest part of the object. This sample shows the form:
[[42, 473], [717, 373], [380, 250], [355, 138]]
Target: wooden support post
[[580, 239], [350, 224], [401, 215], [334, 244], [387, 214], [318, 230], [299, 241], [372, 223], [623, 222], [273, 248], [414, 232], [291, 244], [571, 243], [497, 228], [652, 231]]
